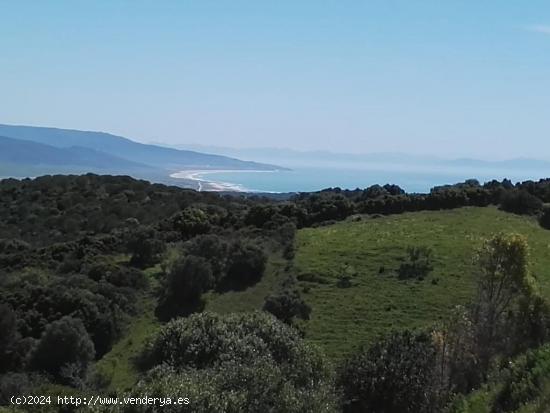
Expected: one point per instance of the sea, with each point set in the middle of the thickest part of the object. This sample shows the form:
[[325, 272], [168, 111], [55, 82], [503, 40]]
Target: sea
[[308, 179]]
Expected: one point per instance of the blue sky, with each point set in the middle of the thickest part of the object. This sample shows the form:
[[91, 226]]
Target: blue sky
[[448, 77]]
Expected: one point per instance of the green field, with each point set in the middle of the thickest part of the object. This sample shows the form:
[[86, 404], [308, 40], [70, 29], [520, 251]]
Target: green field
[[344, 318]]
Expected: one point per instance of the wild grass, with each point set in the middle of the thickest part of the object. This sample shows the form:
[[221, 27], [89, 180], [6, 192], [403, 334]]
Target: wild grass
[[378, 301]]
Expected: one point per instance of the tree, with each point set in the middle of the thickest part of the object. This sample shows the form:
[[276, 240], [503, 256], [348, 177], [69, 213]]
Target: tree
[[191, 221], [189, 277], [246, 265], [212, 248], [544, 218], [376, 191], [287, 304], [8, 334], [394, 375], [520, 202], [65, 343], [145, 247], [258, 215], [246, 362], [503, 278]]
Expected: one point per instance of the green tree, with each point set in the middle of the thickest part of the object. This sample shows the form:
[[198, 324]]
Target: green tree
[[249, 362], [8, 334], [503, 278], [145, 247], [188, 279], [246, 265], [544, 218], [191, 221], [212, 248], [394, 375], [287, 304], [64, 345], [519, 201]]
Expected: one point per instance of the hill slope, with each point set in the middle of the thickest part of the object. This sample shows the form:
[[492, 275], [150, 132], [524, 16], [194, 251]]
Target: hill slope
[[23, 152], [344, 318], [152, 155]]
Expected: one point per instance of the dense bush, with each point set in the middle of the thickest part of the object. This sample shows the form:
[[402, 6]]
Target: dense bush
[[145, 247], [287, 304], [8, 336], [189, 277], [544, 218], [212, 248], [64, 350], [394, 375], [100, 305], [16, 384], [238, 363], [417, 264], [520, 202], [190, 222], [237, 387], [524, 380], [206, 340], [246, 265], [118, 275]]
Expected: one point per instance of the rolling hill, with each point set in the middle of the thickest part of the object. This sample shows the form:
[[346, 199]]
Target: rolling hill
[[23, 152], [64, 148], [378, 301]]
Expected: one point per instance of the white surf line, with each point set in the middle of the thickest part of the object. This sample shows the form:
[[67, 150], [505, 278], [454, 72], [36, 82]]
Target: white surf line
[[217, 186]]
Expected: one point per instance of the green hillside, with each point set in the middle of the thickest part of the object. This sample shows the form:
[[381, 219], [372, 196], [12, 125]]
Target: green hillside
[[372, 249]]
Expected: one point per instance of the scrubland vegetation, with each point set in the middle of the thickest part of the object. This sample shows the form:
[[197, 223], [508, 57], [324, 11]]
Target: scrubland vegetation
[[339, 301]]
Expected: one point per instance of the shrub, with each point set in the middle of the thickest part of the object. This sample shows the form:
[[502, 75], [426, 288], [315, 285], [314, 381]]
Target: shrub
[[394, 375], [520, 202], [287, 304], [246, 265], [189, 277], [237, 363], [544, 219], [190, 222], [418, 263], [8, 335], [14, 384], [145, 247], [258, 385], [212, 248], [525, 380], [206, 340], [64, 343]]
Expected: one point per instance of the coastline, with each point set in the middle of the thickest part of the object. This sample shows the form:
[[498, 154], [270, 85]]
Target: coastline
[[197, 175]]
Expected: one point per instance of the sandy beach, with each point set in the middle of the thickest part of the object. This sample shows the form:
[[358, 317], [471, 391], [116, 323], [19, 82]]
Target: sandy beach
[[209, 185]]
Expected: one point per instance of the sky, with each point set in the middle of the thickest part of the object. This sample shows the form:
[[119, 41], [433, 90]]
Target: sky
[[449, 78]]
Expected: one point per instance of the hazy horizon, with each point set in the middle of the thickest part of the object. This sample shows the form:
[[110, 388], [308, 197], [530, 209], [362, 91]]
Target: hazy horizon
[[430, 78]]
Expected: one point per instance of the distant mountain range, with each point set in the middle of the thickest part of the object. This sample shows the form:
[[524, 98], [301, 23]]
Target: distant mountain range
[[30, 151], [293, 158]]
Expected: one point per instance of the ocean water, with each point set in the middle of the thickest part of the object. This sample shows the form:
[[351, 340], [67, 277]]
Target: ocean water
[[306, 179]]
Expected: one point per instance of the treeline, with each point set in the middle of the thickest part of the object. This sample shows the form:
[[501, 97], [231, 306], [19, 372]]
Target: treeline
[[334, 204]]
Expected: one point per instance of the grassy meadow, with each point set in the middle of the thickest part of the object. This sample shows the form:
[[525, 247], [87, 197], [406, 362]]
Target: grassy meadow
[[371, 250]]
